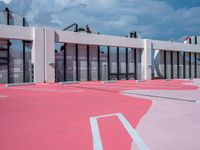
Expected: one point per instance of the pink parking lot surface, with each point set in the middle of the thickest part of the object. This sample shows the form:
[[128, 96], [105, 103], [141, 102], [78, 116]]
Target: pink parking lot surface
[[166, 115]]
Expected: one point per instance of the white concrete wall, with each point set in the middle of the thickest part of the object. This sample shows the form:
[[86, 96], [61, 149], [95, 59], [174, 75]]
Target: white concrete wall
[[43, 55], [175, 46], [49, 55], [146, 60], [96, 39], [16, 32], [38, 58]]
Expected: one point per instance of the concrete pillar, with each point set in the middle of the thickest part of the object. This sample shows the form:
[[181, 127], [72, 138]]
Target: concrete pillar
[[49, 55], [38, 54], [146, 60]]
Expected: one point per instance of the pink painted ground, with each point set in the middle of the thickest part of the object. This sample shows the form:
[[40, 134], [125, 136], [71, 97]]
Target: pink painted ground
[[173, 121], [54, 117]]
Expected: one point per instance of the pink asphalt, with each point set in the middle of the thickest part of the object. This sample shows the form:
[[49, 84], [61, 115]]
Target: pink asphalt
[[55, 117]]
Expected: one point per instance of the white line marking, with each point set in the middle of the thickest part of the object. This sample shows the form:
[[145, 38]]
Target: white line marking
[[69, 82], [46, 90], [198, 102], [19, 84], [3, 96], [108, 115], [132, 132], [97, 143], [130, 86]]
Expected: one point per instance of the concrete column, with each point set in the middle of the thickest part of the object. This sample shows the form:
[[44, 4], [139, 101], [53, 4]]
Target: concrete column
[[49, 55], [146, 60], [38, 54]]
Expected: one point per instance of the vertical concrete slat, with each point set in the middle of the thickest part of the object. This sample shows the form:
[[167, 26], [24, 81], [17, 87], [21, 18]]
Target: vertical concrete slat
[[108, 61], [98, 63], [127, 71], [38, 54], [178, 65], [195, 65], [118, 63], [88, 63], [198, 65], [184, 66], [165, 64], [77, 64], [146, 60], [174, 61], [49, 55], [65, 62], [168, 61], [172, 66], [135, 64], [190, 65]]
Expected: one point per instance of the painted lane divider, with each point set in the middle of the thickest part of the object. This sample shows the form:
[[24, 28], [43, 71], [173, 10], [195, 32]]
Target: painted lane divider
[[138, 81], [3, 96], [47, 90], [69, 82], [97, 143], [19, 84], [198, 102], [109, 81]]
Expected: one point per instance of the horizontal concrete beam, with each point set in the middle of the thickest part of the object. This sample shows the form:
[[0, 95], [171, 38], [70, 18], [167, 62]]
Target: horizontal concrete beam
[[26, 33], [96, 39], [38, 54], [16, 32], [175, 46], [49, 55]]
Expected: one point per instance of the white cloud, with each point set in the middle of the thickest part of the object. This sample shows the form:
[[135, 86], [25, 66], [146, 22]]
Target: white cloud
[[121, 21], [6, 1]]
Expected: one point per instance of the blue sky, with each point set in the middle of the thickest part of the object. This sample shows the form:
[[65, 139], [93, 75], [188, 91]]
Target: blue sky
[[156, 19]]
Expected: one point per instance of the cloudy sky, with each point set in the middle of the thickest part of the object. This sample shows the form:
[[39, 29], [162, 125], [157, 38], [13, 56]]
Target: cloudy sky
[[156, 19]]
